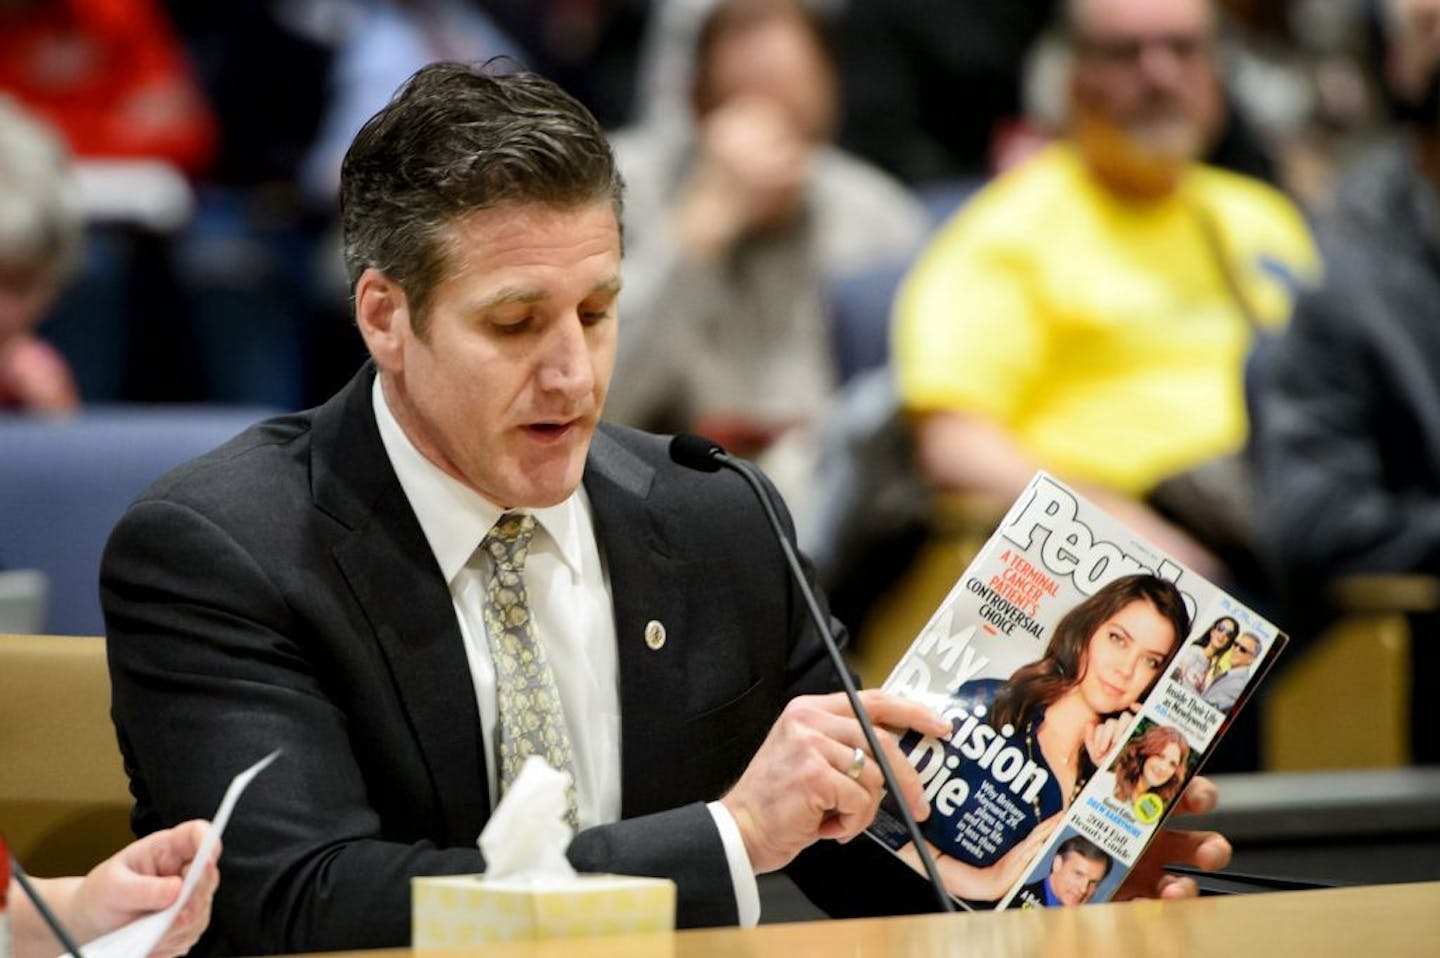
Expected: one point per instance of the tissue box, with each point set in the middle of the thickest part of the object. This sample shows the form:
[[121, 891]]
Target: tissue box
[[458, 910]]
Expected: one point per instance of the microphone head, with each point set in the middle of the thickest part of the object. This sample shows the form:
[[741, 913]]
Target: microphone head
[[696, 452]]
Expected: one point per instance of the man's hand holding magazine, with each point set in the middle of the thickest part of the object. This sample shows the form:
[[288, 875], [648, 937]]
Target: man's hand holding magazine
[[1208, 851], [1071, 739]]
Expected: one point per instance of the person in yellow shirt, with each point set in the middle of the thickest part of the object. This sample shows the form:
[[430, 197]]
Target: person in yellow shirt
[[1090, 312]]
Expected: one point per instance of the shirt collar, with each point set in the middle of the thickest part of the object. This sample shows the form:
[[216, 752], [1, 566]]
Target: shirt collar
[[454, 517]]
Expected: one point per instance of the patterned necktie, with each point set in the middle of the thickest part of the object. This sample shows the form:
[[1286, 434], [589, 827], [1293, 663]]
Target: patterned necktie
[[530, 718]]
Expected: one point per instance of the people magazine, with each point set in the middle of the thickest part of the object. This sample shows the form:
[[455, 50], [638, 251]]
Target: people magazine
[[1086, 676]]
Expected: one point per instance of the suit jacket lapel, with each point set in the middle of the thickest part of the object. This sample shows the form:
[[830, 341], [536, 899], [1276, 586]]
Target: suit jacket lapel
[[393, 577], [639, 560]]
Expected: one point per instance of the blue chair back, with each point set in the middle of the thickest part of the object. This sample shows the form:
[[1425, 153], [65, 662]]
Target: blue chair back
[[65, 483]]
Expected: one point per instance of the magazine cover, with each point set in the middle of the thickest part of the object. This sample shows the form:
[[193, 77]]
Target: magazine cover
[[1086, 676]]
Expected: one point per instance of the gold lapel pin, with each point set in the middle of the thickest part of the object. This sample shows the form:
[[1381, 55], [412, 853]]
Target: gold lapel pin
[[655, 635]]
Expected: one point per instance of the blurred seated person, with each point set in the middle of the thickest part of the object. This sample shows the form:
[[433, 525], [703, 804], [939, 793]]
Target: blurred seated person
[[40, 238], [1090, 312], [109, 75], [904, 60], [142, 878], [1350, 444], [378, 45], [734, 234], [111, 78], [928, 86]]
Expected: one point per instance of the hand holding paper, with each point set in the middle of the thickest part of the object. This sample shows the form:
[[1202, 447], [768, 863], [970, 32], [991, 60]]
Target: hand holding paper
[[120, 886], [146, 877]]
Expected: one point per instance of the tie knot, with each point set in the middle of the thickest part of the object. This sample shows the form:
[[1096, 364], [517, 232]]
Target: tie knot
[[508, 541]]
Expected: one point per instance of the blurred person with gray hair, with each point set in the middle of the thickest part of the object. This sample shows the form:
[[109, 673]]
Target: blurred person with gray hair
[[41, 232]]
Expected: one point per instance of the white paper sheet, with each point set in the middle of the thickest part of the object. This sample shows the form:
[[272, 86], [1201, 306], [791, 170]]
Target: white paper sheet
[[139, 938]]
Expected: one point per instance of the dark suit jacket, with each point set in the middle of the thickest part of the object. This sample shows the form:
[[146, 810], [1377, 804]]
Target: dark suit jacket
[[278, 592], [1350, 427], [1031, 896]]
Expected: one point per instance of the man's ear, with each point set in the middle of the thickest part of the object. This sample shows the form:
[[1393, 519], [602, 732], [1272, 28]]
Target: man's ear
[[383, 315]]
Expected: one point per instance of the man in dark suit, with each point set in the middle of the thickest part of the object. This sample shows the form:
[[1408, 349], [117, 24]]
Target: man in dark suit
[[1076, 869], [452, 564], [1224, 690]]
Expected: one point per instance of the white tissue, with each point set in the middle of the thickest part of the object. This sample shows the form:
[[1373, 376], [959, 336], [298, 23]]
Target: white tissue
[[527, 835]]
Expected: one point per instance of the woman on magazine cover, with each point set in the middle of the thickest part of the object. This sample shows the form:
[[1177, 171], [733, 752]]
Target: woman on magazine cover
[[1200, 661], [1067, 710], [1154, 763]]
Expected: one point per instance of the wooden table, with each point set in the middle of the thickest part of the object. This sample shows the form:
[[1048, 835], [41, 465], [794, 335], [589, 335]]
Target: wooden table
[[1372, 921]]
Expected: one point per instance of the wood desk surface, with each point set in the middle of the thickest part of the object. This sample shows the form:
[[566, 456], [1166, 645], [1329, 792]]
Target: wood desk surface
[[1373, 920]]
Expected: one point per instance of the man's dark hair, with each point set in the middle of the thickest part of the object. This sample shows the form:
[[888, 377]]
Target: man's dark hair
[[1085, 848], [455, 139]]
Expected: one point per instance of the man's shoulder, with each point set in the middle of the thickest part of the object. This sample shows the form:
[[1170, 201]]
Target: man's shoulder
[[863, 215], [1226, 685], [1378, 220], [1235, 675], [262, 456], [1032, 895], [845, 178], [253, 490], [1049, 188], [1249, 203], [273, 465]]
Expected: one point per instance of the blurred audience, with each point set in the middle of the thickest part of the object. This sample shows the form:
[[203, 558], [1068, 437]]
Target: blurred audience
[[1350, 432], [109, 75], [589, 47], [40, 240], [734, 233], [245, 263], [927, 86], [1091, 311], [1296, 71], [903, 60], [379, 44]]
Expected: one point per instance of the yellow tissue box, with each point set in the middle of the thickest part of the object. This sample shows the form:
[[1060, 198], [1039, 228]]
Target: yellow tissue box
[[450, 911]]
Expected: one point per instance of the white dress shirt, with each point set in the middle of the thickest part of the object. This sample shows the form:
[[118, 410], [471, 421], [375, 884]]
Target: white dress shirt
[[569, 592]]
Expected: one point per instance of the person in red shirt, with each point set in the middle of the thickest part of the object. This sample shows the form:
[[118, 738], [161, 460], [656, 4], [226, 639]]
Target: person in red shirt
[[109, 75]]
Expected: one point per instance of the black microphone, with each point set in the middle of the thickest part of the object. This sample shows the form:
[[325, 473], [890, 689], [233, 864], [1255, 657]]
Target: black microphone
[[703, 455], [697, 452]]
